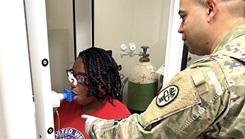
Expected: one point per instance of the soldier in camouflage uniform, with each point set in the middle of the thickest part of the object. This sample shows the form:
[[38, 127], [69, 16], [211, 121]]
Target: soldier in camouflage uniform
[[207, 99]]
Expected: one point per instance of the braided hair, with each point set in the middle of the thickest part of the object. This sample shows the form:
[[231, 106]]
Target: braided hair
[[102, 74]]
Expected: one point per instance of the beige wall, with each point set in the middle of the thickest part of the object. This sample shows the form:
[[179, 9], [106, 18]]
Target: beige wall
[[144, 22], [123, 21]]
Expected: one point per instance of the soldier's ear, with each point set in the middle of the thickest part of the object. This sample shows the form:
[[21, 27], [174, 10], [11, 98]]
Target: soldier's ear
[[211, 9]]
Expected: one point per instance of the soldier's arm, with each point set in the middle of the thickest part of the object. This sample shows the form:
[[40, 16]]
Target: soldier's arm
[[185, 108]]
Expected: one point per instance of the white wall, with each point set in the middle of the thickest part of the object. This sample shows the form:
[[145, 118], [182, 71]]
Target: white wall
[[16, 102]]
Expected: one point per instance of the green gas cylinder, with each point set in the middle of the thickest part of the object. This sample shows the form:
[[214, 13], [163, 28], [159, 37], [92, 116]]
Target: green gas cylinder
[[142, 83]]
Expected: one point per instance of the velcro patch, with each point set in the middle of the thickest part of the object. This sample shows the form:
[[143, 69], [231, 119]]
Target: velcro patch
[[199, 81], [197, 77], [180, 93]]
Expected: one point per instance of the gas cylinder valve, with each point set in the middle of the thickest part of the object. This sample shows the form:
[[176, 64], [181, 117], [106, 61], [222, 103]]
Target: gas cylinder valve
[[131, 52]]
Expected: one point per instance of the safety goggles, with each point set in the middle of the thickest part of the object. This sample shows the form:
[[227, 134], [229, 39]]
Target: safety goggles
[[75, 77]]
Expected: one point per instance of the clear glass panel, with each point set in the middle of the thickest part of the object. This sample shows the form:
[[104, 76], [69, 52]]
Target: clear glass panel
[[61, 41]]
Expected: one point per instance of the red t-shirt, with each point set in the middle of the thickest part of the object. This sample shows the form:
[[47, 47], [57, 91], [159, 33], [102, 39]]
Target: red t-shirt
[[69, 124]]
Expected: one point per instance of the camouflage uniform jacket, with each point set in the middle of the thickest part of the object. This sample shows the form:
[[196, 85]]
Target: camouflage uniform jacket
[[206, 100]]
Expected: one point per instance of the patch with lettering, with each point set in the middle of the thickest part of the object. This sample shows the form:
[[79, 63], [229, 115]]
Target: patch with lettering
[[167, 95], [69, 133]]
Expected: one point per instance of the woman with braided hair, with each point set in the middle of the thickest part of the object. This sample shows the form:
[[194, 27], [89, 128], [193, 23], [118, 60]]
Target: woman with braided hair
[[206, 100], [97, 92]]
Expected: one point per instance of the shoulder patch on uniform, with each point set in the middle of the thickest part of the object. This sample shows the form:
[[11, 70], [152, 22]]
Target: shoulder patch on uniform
[[179, 94], [167, 95]]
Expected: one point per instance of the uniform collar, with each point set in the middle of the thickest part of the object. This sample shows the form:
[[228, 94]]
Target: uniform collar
[[234, 33]]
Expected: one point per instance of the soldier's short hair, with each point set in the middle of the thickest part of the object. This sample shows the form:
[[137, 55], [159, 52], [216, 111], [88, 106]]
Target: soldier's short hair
[[202, 2]]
